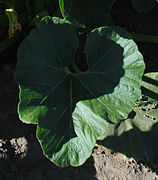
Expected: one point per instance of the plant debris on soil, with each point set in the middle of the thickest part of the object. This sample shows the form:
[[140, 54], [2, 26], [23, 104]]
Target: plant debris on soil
[[21, 157]]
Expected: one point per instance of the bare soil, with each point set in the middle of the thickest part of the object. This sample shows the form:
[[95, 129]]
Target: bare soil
[[21, 157]]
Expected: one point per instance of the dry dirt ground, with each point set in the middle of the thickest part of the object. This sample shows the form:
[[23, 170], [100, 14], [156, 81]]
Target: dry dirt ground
[[21, 157]]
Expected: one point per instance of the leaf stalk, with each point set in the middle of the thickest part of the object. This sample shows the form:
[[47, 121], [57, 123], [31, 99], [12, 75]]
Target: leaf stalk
[[144, 37]]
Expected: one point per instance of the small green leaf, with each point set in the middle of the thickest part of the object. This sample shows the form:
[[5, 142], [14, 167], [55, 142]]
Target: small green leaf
[[87, 13], [73, 110]]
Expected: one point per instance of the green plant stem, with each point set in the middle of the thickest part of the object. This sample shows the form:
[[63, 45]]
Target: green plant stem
[[76, 68], [145, 38]]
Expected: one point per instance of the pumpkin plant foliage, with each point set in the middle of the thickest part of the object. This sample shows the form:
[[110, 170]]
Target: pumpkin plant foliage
[[143, 6], [73, 110], [136, 136], [87, 13]]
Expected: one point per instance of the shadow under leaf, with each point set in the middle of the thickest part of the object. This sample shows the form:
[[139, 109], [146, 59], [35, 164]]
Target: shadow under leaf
[[136, 138]]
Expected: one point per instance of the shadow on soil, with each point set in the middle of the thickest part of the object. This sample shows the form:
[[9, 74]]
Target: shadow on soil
[[35, 166], [21, 157], [142, 146]]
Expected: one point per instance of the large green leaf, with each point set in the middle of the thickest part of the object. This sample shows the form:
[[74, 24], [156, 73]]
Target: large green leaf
[[72, 110], [136, 137], [40, 66], [87, 13], [143, 6]]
